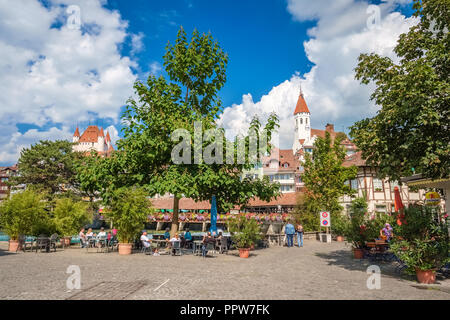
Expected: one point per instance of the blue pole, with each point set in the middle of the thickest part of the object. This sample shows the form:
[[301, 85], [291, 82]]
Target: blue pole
[[213, 215]]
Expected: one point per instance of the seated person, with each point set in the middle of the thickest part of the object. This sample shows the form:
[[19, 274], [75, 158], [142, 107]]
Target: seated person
[[386, 233], [167, 234], [145, 239], [175, 239], [207, 238], [89, 233], [187, 237]]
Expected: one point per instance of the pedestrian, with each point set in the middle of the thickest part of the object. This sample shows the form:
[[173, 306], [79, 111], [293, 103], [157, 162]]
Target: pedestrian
[[289, 230], [299, 235]]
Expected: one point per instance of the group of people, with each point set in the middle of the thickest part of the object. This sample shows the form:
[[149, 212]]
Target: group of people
[[290, 231], [102, 235]]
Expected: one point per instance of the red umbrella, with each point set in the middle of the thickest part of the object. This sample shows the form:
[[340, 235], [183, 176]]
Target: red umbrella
[[399, 207]]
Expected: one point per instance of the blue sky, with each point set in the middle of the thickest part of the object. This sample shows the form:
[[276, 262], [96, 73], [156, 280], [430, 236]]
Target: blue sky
[[55, 78]]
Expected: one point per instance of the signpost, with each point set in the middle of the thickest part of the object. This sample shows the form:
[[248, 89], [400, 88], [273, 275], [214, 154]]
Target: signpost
[[325, 221], [432, 199]]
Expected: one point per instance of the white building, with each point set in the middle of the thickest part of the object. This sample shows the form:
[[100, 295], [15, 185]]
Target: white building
[[92, 139]]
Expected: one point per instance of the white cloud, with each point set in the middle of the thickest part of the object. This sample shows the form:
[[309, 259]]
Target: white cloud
[[331, 92], [136, 43], [52, 74]]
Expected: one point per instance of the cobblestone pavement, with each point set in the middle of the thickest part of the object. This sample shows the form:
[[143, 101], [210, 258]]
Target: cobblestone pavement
[[316, 271]]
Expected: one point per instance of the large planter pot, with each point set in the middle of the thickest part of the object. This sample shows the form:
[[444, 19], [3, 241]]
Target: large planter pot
[[13, 245], [358, 253], [66, 241], [244, 252], [125, 248], [339, 238], [426, 276]]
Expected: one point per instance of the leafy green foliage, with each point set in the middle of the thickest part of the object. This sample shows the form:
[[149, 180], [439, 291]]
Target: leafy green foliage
[[324, 179], [423, 241], [306, 212], [245, 232], [69, 216], [340, 224], [356, 230], [411, 129], [21, 212], [48, 165], [129, 211], [144, 157]]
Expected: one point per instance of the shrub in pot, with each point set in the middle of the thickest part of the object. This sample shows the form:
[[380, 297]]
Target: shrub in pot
[[422, 243], [69, 216], [20, 213], [245, 233], [340, 223], [355, 231], [129, 210]]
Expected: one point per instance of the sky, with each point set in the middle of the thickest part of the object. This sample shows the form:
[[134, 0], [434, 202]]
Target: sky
[[69, 63]]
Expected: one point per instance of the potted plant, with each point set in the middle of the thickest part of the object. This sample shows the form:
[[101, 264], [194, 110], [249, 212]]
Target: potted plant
[[129, 210], [69, 216], [20, 213], [245, 232], [422, 243], [356, 230], [340, 223]]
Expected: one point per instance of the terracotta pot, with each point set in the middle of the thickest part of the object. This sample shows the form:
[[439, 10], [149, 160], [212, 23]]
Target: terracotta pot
[[13, 245], [244, 252], [358, 253], [339, 238], [252, 247], [125, 248], [67, 241], [426, 276]]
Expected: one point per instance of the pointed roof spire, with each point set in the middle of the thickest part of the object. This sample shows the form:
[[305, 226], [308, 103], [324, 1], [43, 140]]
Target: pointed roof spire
[[102, 134], [108, 138], [301, 104], [77, 133]]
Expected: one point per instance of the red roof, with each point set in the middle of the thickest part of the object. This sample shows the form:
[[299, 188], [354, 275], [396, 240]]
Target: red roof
[[185, 204], [77, 133], [354, 159], [301, 105], [102, 134], [285, 199], [108, 138], [91, 134]]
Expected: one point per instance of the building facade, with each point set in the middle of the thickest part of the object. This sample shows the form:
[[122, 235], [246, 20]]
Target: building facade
[[6, 173], [92, 139]]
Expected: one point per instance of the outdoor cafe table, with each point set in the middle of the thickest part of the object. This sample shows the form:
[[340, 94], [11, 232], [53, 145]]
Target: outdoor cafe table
[[197, 247]]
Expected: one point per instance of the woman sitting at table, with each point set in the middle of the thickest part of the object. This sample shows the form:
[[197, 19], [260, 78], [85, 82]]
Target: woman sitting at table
[[187, 238], [82, 238], [207, 238], [386, 233]]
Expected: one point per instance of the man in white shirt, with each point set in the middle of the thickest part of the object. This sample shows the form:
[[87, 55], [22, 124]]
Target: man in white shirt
[[175, 239], [146, 241]]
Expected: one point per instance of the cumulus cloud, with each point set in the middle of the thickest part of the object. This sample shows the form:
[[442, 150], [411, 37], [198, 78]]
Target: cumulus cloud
[[333, 95], [52, 75]]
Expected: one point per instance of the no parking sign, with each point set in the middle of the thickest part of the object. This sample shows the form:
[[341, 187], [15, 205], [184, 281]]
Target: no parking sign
[[325, 220]]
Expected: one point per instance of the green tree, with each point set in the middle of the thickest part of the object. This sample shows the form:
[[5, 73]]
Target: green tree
[[306, 212], [49, 165], [411, 129], [188, 99], [129, 211], [20, 213], [325, 177], [69, 216]]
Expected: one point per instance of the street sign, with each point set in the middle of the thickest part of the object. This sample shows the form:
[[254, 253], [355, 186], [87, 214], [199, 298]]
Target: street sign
[[432, 198], [325, 220]]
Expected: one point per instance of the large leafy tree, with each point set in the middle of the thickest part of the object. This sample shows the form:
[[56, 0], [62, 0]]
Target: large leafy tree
[[196, 71], [411, 130], [49, 165], [325, 177]]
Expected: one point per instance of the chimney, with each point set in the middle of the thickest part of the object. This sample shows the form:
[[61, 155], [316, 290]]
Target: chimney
[[329, 127]]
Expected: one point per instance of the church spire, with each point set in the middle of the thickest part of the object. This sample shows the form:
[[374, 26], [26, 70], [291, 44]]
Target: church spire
[[301, 106]]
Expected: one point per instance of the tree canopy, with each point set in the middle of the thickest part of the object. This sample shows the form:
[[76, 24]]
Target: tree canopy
[[410, 133]]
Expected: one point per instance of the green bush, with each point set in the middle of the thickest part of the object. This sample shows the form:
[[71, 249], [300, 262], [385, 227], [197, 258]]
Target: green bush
[[422, 242], [245, 232], [355, 232], [22, 213], [129, 210], [339, 224], [70, 216]]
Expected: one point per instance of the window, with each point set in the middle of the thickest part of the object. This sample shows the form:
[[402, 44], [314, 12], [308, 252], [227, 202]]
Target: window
[[377, 184], [286, 165], [301, 168], [306, 121], [380, 208], [394, 184], [354, 184], [301, 120]]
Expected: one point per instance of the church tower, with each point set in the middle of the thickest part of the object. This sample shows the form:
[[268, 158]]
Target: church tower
[[302, 122]]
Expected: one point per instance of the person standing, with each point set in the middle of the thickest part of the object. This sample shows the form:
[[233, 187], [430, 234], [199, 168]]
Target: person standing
[[289, 230], [299, 235]]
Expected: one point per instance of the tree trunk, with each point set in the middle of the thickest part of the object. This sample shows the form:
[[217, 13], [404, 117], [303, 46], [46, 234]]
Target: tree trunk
[[174, 229]]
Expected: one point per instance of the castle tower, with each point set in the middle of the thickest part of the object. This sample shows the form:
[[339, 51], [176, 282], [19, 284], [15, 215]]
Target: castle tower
[[76, 136], [302, 121]]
